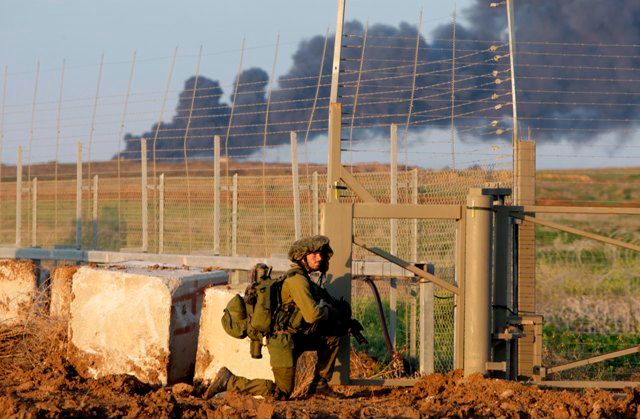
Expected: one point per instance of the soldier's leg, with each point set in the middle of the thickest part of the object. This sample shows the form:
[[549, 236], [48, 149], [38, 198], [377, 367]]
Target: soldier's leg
[[282, 358], [327, 352], [254, 387]]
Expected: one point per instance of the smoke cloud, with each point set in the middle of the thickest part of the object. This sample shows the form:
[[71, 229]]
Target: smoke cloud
[[577, 64]]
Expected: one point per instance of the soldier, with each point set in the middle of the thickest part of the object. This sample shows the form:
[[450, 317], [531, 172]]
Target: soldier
[[305, 321]]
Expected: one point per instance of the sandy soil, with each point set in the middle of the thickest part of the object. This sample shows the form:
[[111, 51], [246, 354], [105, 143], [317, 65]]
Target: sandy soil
[[36, 380]]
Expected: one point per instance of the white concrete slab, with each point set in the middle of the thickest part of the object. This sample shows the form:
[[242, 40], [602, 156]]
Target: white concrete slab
[[18, 289], [139, 320], [216, 349]]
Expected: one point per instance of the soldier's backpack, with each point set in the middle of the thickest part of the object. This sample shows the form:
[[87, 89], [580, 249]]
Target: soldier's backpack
[[253, 314]]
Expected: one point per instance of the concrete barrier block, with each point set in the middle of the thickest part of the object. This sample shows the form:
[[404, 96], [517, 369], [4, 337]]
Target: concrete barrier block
[[138, 320], [18, 289], [217, 349], [60, 301]]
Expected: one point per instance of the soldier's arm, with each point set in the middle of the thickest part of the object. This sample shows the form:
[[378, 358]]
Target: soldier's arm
[[301, 295]]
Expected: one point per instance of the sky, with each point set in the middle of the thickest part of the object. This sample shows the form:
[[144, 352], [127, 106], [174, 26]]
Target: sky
[[80, 32]]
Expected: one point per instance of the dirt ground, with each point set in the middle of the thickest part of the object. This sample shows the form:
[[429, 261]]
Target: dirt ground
[[36, 380]]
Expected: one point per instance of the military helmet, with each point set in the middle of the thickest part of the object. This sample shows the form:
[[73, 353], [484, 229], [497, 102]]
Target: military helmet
[[300, 248]]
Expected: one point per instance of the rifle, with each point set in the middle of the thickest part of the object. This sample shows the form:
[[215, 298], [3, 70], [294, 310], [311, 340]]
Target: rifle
[[346, 322]]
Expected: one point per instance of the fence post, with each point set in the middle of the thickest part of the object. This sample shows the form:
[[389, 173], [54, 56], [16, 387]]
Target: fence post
[[477, 334], [414, 222], [234, 216], [393, 236], [161, 213], [427, 331], [412, 321], [145, 194], [19, 198], [216, 195], [79, 196], [296, 186], [94, 215], [316, 204], [414, 257], [34, 211]]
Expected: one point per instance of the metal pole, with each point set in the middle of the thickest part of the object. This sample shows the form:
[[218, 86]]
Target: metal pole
[[297, 221], [337, 50], [315, 204], [19, 198], [393, 223], [94, 215], [512, 40], [412, 322], [334, 165], [79, 196], [216, 195], [393, 309], [414, 222], [393, 227], [161, 213], [34, 211], [234, 216], [427, 330], [145, 194], [477, 330]]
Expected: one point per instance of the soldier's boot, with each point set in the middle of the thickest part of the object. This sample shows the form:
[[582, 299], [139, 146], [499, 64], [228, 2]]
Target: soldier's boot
[[320, 386], [219, 383]]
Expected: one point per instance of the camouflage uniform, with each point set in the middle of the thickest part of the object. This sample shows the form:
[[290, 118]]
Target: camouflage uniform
[[301, 325]]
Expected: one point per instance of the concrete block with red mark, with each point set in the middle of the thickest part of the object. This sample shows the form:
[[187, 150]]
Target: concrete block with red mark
[[139, 320], [18, 290], [216, 349]]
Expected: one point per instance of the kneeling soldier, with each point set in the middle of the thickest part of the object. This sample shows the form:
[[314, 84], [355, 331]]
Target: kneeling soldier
[[305, 321]]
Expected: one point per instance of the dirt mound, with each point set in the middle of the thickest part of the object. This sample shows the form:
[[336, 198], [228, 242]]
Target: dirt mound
[[38, 381]]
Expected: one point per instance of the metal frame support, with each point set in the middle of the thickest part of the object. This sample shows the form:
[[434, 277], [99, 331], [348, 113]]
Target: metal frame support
[[19, 198], [144, 188], [477, 289], [34, 211], [337, 224], [161, 213], [427, 330], [94, 213], [79, 196], [216, 195], [295, 182]]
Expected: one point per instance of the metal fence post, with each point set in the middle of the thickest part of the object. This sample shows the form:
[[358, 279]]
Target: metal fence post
[[315, 203], [297, 222], [234, 216], [79, 196], [414, 222], [393, 237], [414, 257], [145, 194], [161, 213], [216, 195], [19, 198], [34, 211], [427, 331], [94, 215], [477, 329], [413, 329]]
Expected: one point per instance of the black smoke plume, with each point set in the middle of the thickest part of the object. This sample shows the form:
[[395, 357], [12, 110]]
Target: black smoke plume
[[577, 74]]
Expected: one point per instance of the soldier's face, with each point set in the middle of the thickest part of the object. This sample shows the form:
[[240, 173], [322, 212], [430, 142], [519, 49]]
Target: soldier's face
[[314, 261]]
